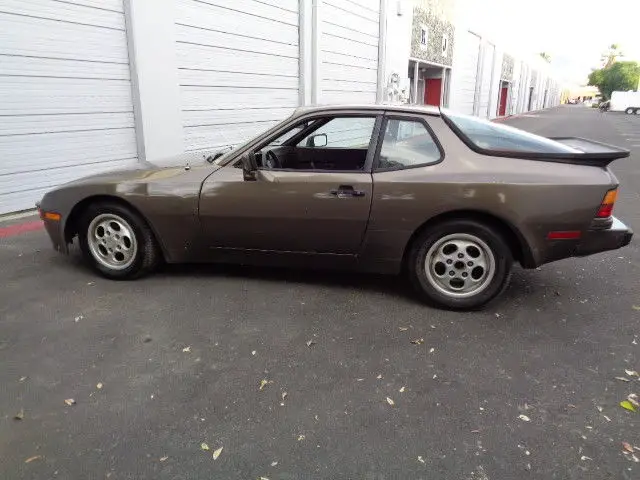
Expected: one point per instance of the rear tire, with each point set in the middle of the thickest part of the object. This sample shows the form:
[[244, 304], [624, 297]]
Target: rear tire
[[629, 111], [117, 242], [459, 264]]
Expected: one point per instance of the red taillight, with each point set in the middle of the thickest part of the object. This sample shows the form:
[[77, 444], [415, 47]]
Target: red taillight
[[606, 207], [568, 235]]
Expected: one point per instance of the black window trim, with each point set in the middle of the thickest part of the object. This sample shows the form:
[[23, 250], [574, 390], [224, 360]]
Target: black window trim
[[414, 118], [371, 149]]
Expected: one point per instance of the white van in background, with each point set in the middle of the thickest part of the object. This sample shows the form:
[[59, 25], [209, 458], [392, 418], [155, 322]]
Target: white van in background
[[627, 102]]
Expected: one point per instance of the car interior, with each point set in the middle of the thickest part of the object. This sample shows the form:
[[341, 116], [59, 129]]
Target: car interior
[[333, 143]]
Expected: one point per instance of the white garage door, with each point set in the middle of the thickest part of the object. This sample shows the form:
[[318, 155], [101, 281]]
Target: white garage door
[[349, 51], [65, 95], [487, 73], [466, 70], [238, 68]]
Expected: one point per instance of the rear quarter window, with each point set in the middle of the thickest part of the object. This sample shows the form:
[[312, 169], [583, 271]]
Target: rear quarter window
[[489, 136]]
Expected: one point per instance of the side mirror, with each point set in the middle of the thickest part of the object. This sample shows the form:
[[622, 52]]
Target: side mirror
[[249, 167], [316, 141]]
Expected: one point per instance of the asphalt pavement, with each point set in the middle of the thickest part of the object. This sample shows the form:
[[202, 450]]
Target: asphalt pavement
[[305, 375]]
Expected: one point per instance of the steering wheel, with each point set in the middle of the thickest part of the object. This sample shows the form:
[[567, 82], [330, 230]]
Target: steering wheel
[[271, 160]]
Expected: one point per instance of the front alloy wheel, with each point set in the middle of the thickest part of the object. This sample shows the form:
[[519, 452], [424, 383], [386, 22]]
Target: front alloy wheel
[[116, 241]]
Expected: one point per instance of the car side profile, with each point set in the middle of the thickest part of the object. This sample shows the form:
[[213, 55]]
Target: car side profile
[[450, 200]]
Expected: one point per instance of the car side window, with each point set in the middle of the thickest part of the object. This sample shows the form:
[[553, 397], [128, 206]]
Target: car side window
[[341, 132], [406, 144], [325, 144]]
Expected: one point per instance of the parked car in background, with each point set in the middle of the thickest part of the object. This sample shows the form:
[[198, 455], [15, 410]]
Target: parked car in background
[[448, 199]]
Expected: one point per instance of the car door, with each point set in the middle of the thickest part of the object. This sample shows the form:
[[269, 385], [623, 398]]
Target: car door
[[312, 193]]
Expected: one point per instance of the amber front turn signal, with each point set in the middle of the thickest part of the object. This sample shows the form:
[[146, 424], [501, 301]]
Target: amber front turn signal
[[51, 216]]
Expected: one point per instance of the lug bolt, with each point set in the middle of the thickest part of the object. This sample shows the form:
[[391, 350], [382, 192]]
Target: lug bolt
[[465, 274], [452, 273], [461, 255], [470, 264], [449, 262]]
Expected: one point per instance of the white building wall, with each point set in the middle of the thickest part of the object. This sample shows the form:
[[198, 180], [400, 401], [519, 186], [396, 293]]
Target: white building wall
[[465, 72], [348, 51], [66, 105]]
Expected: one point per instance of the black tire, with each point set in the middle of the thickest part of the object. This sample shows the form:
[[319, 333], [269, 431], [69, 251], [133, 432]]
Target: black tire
[[629, 111], [147, 255], [502, 255]]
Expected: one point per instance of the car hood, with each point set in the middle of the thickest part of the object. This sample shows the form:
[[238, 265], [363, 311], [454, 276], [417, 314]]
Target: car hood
[[178, 168]]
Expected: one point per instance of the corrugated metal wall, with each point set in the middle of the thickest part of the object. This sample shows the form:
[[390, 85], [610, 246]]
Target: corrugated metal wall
[[238, 68], [465, 70], [349, 51], [66, 107]]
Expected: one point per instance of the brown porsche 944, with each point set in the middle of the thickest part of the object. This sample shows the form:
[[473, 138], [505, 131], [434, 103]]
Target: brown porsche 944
[[451, 200]]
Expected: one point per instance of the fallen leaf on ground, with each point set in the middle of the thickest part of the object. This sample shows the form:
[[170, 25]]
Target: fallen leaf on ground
[[627, 447], [31, 459], [390, 402], [22, 379], [633, 398], [264, 383], [162, 459], [217, 453], [524, 418], [187, 349], [418, 341], [635, 307], [404, 329], [431, 350], [70, 402], [420, 459], [78, 318], [273, 464], [19, 415], [401, 390], [284, 395], [599, 408], [606, 418], [584, 457], [263, 478], [379, 377], [253, 352], [99, 385], [627, 405], [631, 373], [301, 437], [310, 342], [204, 446], [622, 379]]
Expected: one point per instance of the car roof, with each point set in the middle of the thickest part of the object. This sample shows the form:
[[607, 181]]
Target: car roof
[[405, 108]]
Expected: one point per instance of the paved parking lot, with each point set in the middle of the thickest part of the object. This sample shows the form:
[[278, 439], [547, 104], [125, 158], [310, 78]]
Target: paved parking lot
[[289, 372]]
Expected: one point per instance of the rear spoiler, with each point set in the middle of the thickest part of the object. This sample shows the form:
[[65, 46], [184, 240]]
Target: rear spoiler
[[593, 153]]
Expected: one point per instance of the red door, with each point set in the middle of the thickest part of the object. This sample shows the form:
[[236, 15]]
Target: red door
[[433, 88], [504, 95]]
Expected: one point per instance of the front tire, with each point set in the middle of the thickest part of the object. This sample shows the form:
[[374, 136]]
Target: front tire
[[459, 264], [117, 242]]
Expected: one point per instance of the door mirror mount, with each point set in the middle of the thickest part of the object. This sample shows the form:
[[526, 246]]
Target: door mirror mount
[[317, 141], [249, 167]]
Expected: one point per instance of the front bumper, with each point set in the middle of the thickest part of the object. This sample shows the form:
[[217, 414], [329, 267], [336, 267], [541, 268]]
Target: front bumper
[[55, 230], [618, 235]]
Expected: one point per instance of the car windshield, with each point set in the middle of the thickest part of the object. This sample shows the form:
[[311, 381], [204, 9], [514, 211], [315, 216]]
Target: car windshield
[[494, 136]]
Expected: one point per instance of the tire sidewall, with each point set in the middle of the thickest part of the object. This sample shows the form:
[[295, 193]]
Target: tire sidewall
[[501, 252], [133, 220]]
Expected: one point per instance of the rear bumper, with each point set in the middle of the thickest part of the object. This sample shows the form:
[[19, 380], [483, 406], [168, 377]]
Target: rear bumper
[[602, 237], [618, 235]]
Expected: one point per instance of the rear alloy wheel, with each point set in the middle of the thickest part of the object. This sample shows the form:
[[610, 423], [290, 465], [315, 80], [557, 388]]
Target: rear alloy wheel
[[460, 264], [117, 242]]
